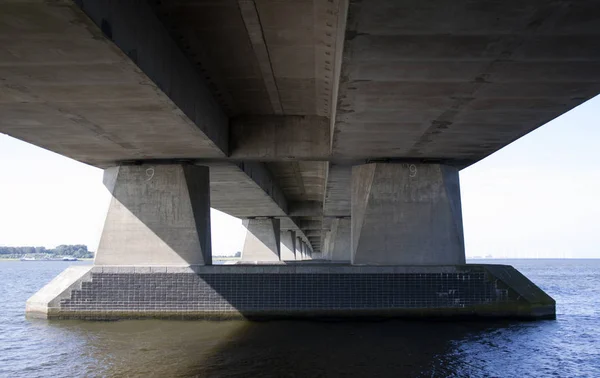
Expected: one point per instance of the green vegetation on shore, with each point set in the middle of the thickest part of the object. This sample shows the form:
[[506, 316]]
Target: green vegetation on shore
[[78, 250]]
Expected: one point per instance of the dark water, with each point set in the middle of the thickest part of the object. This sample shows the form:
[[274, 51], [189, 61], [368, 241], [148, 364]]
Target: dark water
[[567, 347]]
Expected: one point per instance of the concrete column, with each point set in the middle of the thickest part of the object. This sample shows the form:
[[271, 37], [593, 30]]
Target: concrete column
[[339, 248], [288, 245], [406, 214], [326, 244], [262, 240], [158, 215], [298, 248], [306, 251]]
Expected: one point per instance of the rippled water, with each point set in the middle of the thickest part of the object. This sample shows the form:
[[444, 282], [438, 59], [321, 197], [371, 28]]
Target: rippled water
[[566, 347]]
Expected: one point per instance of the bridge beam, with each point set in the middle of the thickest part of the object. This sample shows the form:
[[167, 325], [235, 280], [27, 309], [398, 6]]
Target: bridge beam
[[306, 209], [280, 137], [137, 31]]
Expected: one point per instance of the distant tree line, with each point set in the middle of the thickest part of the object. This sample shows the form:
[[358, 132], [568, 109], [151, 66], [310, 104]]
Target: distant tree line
[[77, 250]]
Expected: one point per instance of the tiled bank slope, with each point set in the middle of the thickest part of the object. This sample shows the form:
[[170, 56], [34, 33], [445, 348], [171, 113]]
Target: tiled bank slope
[[289, 291]]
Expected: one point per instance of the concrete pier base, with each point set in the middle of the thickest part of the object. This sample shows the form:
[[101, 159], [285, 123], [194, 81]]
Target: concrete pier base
[[293, 291], [262, 241], [406, 214], [158, 217]]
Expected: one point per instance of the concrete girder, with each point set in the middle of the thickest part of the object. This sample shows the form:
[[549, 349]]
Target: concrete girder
[[288, 49], [305, 209], [68, 89], [312, 233], [135, 29], [246, 190], [308, 225], [249, 12], [280, 138], [424, 86], [300, 180]]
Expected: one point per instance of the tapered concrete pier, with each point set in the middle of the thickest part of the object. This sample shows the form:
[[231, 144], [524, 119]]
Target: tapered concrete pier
[[406, 214], [262, 240], [288, 246], [158, 215]]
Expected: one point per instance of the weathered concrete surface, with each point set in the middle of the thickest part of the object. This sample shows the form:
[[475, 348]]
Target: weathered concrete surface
[[326, 248], [340, 247], [298, 251], [158, 215], [304, 250], [406, 214], [109, 81], [288, 48], [246, 190], [417, 82], [46, 301], [249, 189], [262, 240], [333, 290], [337, 194], [280, 137], [288, 246], [67, 87], [307, 251]]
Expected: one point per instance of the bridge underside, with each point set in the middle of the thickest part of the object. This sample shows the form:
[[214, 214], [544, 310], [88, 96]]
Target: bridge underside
[[326, 125], [283, 98]]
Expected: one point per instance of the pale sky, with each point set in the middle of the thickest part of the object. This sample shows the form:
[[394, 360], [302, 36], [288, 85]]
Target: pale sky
[[537, 197]]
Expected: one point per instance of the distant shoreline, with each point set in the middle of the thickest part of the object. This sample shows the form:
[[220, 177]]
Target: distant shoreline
[[19, 259]]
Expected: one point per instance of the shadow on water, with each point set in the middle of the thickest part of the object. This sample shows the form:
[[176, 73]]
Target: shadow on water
[[391, 348]]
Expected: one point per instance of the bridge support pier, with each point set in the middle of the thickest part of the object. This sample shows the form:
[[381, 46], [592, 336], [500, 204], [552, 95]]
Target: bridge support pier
[[154, 257], [288, 245], [158, 215], [339, 240], [298, 246], [262, 240], [158, 220], [406, 214], [304, 251]]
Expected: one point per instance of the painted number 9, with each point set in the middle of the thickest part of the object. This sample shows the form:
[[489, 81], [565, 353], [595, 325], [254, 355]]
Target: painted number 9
[[412, 169], [149, 174]]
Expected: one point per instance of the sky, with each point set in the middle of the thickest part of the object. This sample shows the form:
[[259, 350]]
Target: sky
[[537, 197]]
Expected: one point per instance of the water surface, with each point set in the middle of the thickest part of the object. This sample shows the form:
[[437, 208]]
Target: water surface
[[566, 347]]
